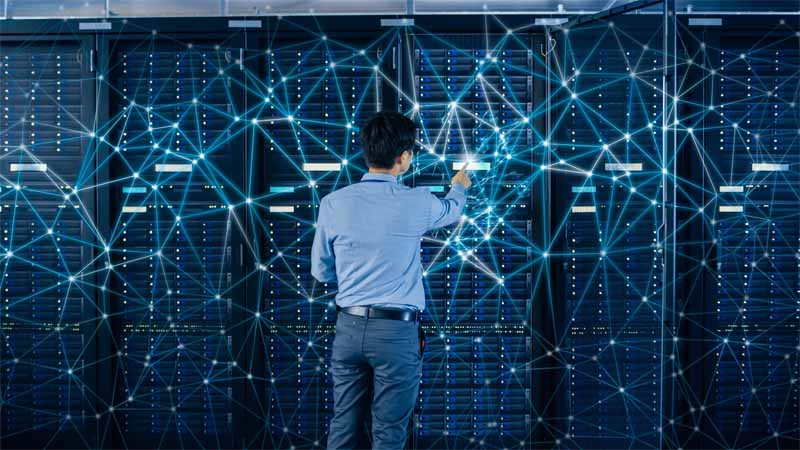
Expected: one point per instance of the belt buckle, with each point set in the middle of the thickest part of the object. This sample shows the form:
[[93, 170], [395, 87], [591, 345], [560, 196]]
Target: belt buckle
[[412, 315]]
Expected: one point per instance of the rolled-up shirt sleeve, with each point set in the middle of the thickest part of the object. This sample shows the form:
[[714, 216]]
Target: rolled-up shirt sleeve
[[323, 266], [447, 210]]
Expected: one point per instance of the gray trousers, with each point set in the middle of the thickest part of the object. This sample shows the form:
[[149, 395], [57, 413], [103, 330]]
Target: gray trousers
[[378, 356]]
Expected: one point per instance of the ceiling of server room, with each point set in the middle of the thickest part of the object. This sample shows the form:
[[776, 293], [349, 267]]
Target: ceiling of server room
[[211, 8]]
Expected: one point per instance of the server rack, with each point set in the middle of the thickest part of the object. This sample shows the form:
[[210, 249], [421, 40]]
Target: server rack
[[473, 98], [47, 300], [316, 90], [174, 229], [748, 394], [608, 218]]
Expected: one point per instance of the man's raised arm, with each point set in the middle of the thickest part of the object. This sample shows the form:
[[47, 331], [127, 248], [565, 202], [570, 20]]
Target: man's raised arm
[[448, 210]]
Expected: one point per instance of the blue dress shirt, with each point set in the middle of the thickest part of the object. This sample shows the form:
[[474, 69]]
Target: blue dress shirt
[[368, 239]]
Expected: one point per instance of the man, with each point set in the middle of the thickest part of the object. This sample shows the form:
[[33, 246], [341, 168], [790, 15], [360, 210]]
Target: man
[[368, 240]]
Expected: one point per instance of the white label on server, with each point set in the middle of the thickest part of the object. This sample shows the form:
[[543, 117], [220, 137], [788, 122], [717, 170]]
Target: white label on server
[[281, 209], [322, 167], [625, 167], [173, 167], [584, 209], [134, 209], [473, 165], [767, 167], [22, 167], [731, 188], [731, 209]]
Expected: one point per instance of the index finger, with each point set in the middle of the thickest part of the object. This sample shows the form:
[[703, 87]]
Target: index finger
[[464, 167]]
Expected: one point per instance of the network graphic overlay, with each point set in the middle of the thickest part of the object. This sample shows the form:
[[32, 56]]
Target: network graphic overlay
[[158, 210]]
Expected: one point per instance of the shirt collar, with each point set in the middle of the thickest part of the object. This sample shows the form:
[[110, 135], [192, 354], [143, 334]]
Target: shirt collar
[[379, 177]]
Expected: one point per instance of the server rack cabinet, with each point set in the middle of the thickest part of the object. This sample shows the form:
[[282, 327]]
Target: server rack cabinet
[[48, 242], [472, 95], [740, 138], [607, 175], [175, 172], [317, 83]]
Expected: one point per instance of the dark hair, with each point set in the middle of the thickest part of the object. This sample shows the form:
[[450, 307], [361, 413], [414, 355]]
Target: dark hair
[[385, 137]]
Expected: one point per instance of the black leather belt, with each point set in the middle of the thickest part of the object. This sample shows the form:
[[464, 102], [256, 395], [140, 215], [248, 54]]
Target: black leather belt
[[375, 312]]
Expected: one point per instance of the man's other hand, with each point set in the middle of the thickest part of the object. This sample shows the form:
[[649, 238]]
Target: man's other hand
[[462, 177]]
